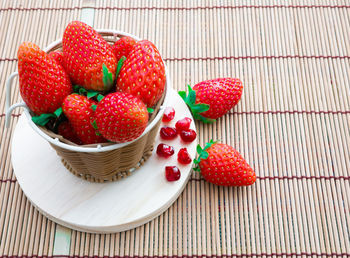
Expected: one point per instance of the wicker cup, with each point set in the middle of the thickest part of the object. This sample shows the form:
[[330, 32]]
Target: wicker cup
[[108, 161]]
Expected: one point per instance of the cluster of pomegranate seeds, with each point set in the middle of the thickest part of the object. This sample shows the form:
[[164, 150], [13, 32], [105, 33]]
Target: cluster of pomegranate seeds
[[183, 157], [172, 173], [169, 114], [168, 133], [165, 150]]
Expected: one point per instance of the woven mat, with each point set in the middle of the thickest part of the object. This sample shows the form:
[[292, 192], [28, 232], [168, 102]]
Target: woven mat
[[292, 125]]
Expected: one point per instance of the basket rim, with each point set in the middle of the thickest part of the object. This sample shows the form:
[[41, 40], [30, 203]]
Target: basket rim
[[100, 148]]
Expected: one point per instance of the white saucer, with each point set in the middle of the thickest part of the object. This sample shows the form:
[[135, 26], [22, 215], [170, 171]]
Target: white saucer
[[97, 207]]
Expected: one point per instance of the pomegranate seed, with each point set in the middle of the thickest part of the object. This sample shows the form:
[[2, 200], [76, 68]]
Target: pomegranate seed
[[164, 150], [169, 114], [172, 173], [183, 124], [188, 135], [183, 157], [168, 133]]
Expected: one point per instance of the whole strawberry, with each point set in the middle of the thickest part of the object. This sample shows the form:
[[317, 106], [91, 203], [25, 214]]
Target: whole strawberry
[[212, 99], [88, 58], [221, 164], [143, 73], [66, 130], [79, 111], [43, 83], [121, 117], [123, 47]]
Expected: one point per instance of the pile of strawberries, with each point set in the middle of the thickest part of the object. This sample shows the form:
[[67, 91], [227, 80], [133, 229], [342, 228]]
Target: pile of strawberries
[[92, 92]]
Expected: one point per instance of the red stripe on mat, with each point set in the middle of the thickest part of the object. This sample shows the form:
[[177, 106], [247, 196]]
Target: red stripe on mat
[[291, 178], [231, 58], [14, 115], [8, 180], [188, 256], [336, 112], [253, 57], [173, 8]]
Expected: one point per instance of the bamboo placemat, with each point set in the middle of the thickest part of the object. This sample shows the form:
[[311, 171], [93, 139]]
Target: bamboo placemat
[[292, 125]]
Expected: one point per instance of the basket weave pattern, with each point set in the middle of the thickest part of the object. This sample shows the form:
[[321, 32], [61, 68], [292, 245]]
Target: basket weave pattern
[[109, 165]]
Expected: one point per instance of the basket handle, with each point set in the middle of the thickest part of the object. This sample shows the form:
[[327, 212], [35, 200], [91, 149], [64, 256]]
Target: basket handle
[[8, 108]]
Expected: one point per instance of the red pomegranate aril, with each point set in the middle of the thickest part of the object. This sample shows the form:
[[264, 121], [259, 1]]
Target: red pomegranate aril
[[183, 124], [168, 133], [165, 150], [183, 157], [172, 173], [169, 114], [188, 135]]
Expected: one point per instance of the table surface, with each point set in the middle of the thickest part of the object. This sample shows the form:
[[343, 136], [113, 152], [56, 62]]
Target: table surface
[[292, 125]]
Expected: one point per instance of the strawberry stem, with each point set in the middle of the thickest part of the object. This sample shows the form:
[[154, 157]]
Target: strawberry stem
[[196, 109], [202, 153]]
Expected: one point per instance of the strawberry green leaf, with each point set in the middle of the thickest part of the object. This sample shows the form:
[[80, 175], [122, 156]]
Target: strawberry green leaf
[[100, 97], [191, 98], [204, 155], [196, 161], [150, 110], [43, 119], [91, 94], [199, 149], [107, 78], [182, 95], [120, 65], [209, 144], [93, 107], [98, 133], [76, 88], [94, 125], [199, 108], [205, 119], [58, 112]]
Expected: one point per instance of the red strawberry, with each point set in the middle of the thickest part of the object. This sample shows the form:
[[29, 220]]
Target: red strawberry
[[58, 56], [123, 46], [79, 111], [221, 164], [88, 58], [66, 130], [212, 99], [121, 117], [143, 73], [43, 83]]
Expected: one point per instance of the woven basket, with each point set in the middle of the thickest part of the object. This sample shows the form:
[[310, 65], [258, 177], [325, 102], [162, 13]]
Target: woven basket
[[108, 161]]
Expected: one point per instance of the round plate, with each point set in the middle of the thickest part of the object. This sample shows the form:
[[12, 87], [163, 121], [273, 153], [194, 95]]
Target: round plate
[[97, 207]]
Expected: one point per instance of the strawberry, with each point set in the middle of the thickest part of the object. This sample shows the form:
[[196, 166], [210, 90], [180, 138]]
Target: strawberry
[[66, 130], [79, 111], [143, 73], [123, 46], [43, 83], [121, 117], [221, 164], [212, 99], [88, 58], [58, 56]]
